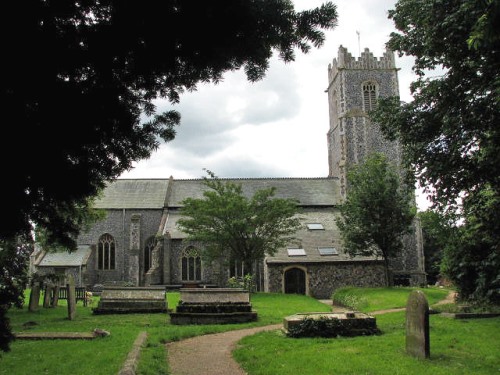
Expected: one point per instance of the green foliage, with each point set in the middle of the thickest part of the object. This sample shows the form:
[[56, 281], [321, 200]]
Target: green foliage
[[232, 226], [472, 261], [247, 282], [438, 232], [450, 130], [85, 112], [377, 211], [14, 259]]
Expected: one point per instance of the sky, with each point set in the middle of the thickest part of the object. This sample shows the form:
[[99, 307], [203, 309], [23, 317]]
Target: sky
[[275, 127]]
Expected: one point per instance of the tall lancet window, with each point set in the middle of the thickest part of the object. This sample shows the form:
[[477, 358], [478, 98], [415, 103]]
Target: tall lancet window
[[106, 252], [369, 96]]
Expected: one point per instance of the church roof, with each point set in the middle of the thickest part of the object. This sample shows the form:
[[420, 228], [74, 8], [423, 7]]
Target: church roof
[[309, 191], [134, 193], [66, 259], [160, 193]]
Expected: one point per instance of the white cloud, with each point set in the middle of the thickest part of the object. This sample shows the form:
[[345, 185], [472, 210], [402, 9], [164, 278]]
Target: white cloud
[[275, 127]]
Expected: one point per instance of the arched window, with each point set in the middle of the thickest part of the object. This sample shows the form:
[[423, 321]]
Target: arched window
[[190, 264], [369, 96], [106, 252], [148, 253]]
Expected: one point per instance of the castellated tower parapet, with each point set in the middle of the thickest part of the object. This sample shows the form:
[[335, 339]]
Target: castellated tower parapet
[[354, 85]]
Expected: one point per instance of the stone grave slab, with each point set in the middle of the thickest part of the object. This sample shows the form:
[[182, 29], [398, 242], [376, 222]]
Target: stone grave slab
[[359, 324], [122, 300], [213, 306]]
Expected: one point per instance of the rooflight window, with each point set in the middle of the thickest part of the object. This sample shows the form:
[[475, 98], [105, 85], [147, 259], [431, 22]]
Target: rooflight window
[[296, 252], [326, 251], [315, 226]]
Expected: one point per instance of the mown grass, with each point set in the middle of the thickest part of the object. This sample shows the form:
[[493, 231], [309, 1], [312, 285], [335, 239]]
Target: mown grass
[[374, 299], [106, 355], [457, 346]]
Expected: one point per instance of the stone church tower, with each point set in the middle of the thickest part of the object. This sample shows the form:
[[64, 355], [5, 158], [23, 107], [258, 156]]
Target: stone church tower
[[354, 85]]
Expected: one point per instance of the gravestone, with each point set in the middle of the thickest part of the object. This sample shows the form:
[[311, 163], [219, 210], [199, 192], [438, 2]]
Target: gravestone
[[55, 296], [34, 297], [71, 298], [47, 296], [417, 325]]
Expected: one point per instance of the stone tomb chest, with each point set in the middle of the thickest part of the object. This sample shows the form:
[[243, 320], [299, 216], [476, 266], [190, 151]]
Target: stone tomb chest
[[334, 324], [213, 306], [116, 300]]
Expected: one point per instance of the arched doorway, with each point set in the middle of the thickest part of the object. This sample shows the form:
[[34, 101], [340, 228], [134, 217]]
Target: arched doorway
[[295, 281]]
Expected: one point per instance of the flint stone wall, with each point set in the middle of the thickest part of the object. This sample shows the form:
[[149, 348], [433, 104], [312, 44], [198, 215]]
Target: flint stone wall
[[324, 278]]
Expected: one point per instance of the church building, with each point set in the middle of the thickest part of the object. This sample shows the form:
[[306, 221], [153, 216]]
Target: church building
[[139, 244]]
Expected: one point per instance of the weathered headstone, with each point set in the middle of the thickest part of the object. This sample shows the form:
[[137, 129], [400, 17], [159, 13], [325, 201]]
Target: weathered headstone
[[47, 296], [417, 325], [71, 298], [55, 296], [34, 297]]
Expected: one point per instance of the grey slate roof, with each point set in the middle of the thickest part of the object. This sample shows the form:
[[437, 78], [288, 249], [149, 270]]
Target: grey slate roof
[[309, 191], [66, 259], [134, 193]]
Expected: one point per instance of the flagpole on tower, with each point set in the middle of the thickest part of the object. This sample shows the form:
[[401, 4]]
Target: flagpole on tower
[[359, 45]]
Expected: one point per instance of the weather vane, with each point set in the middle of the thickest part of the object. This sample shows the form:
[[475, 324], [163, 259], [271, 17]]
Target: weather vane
[[359, 46]]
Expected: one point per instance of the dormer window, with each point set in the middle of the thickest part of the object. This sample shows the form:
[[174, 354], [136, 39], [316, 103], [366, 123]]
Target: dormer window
[[296, 252]]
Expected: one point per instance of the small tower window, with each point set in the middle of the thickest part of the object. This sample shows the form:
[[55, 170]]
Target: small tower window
[[369, 96]]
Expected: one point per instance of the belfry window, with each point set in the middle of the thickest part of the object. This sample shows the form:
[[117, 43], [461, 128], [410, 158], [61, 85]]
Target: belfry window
[[106, 252], [369, 96], [190, 264]]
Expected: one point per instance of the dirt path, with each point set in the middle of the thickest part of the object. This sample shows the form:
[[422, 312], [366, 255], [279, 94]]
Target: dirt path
[[209, 354], [212, 354]]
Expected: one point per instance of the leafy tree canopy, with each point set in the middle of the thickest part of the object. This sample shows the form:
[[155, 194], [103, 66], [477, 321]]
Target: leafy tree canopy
[[438, 232], [79, 84], [450, 130], [377, 211], [233, 226]]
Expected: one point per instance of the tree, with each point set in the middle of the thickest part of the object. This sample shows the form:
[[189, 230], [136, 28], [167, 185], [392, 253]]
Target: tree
[[450, 131], [233, 226], [80, 81], [377, 211], [472, 259], [438, 233]]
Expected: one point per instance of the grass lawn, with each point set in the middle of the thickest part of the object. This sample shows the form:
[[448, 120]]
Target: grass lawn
[[106, 355], [457, 347], [373, 299]]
